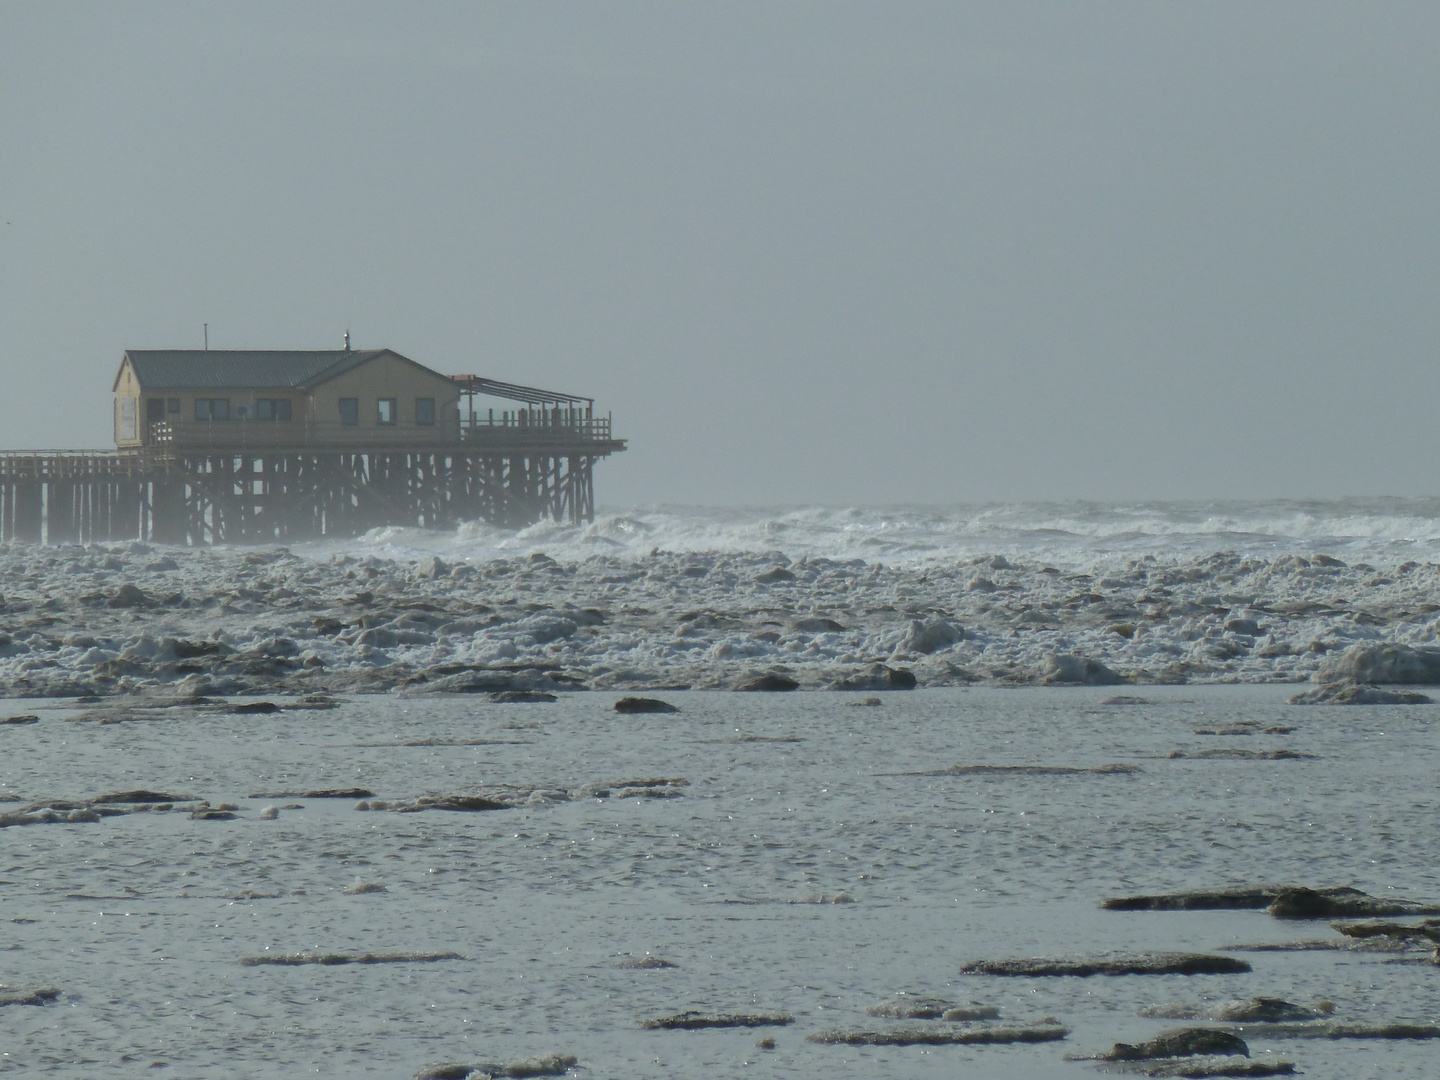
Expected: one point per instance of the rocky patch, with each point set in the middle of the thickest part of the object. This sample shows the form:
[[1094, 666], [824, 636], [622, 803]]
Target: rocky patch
[[335, 958], [694, 1021], [1165, 963], [941, 1036]]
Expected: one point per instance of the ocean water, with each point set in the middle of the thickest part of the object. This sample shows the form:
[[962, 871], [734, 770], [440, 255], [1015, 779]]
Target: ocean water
[[792, 801], [1068, 534]]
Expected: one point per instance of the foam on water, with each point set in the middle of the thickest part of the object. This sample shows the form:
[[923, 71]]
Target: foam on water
[[1066, 533]]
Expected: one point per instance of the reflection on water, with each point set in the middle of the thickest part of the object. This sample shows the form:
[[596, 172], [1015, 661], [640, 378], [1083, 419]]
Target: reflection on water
[[794, 802]]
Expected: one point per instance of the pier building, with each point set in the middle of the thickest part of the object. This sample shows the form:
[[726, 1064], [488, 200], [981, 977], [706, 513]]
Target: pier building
[[256, 446]]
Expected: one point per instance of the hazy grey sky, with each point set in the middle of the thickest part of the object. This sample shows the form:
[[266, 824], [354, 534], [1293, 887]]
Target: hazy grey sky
[[806, 252]]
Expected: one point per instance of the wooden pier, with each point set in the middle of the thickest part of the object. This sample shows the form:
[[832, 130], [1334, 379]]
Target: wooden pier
[[257, 483]]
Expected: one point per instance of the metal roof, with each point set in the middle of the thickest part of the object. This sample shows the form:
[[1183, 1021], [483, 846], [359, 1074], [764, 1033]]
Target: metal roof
[[531, 395], [242, 369]]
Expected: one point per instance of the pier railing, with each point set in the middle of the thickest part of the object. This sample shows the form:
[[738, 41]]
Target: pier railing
[[508, 429], [66, 464]]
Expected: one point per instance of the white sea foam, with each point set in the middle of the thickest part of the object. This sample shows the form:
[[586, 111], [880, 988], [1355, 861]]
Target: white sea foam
[[1070, 534]]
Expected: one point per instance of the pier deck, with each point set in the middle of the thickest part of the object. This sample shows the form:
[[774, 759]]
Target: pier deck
[[261, 483]]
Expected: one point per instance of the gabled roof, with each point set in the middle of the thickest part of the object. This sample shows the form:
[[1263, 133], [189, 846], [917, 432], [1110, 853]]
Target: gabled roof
[[246, 369]]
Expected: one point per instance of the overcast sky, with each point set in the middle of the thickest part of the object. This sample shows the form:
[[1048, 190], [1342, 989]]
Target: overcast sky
[[806, 252]]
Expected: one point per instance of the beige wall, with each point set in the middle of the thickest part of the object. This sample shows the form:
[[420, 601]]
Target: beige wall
[[387, 376], [128, 389], [315, 417]]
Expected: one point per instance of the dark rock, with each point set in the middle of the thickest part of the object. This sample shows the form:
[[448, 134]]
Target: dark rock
[[1026, 770], [445, 1071], [128, 596], [816, 625], [770, 684], [318, 793], [141, 795], [10, 995], [1349, 693], [691, 1021], [1235, 897], [1268, 1010], [770, 577], [1239, 897], [28, 718], [549, 1065], [1182, 1043], [1137, 964], [1067, 669], [907, 1007], [462, 803], [1302, 903], [523, 697], [644, 963], [1426, 930], [942, 1036], [255, 707], [644, 705], [877, 677], [1195, 1068], [1330, 1030], [1235, 754], [329, 959], [206, 814], [1248, 627], [183, 649]]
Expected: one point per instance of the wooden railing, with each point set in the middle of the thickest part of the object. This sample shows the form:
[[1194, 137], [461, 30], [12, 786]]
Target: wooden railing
[[508, 429], [66, 464]]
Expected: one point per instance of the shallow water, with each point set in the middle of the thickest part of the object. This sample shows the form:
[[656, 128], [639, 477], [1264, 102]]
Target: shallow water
[[142, 920]]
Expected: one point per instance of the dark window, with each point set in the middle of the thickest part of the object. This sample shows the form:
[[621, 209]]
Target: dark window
[[173, 405], [425, 411], [388, 412], [264, 409], [212, 408], [282, 409], [350, 410], [154, 410]]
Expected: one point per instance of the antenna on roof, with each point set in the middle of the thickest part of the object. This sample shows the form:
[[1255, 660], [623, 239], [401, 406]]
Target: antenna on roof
[[207, 337], [347, 340]]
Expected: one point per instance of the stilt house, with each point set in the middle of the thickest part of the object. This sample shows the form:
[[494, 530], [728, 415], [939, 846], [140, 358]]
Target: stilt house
[[243, 398]]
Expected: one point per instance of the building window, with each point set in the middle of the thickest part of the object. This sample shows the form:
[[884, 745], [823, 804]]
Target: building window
[[154, 410], [425, 411], [388, 412], [212, 408], [350, 411], [272, 409], [173, 405]]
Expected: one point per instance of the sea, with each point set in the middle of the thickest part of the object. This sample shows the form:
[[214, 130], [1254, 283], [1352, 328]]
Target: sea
[[800, 856], [1066, 533]]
